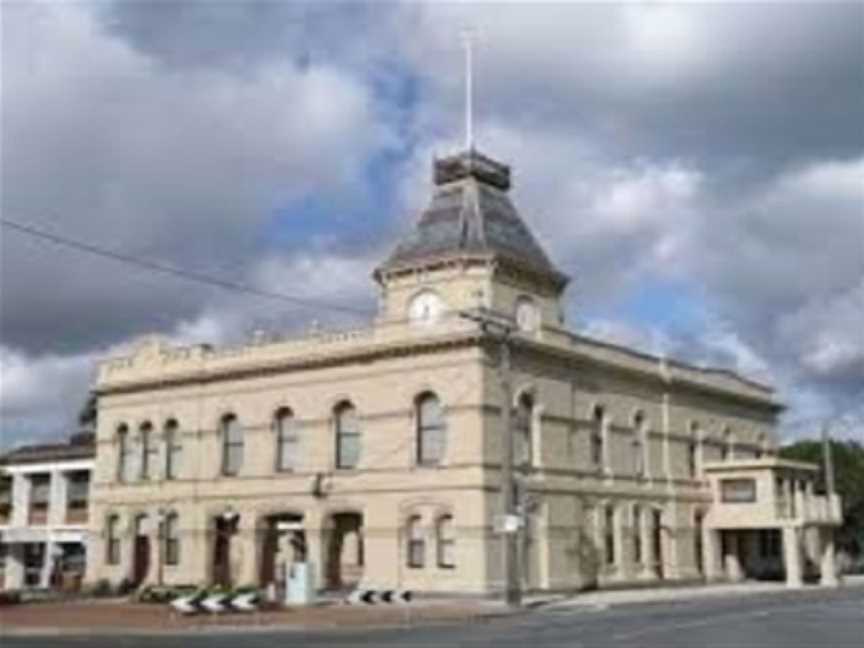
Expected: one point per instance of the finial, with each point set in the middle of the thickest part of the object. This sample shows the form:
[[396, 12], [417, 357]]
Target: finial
[[468, 40]]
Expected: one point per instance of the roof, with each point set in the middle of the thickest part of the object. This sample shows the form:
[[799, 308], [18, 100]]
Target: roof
[[79, 446], [471, 215]]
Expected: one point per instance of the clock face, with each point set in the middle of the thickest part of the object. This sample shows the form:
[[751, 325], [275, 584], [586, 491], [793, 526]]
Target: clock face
[[527, 315], [425, 308]]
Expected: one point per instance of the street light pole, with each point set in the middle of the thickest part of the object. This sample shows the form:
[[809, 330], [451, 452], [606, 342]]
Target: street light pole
[[501, 329]]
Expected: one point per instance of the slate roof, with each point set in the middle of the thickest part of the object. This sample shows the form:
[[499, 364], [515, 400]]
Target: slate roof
[[471, 214], [80, 446]]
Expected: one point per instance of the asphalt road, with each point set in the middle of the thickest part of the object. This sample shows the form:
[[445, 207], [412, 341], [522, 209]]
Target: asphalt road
[[816, 619]]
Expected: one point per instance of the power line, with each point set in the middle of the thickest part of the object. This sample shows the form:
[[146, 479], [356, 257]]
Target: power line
[[172, 270]]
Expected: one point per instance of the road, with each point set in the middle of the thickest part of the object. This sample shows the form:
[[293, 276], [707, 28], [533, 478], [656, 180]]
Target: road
[[816, 619]]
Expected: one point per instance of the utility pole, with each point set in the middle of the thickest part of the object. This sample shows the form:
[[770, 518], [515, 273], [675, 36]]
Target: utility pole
[[501, 329], [828, 459]]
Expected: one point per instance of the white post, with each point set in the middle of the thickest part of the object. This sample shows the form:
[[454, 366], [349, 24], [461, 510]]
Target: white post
[[828, 565], [792, 557]]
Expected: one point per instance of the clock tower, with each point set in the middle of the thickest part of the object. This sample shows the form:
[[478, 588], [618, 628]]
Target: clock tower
[[470, 248]]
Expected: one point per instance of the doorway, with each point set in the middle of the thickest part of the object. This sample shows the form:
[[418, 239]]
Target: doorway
[[657, 542], [224, 527], [140, 551], [283, 543], [345, 557]]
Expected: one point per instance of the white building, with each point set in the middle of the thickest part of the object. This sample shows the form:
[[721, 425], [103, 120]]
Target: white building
[[44, 493]]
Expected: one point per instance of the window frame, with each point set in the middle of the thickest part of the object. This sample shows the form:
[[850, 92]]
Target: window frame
[[445, 545], [149, 451], [342, 434], [597, 440], [415, 545], [611, 557], [173, 449], [425, 430], [112, 540], [286, 437], [171, 539], [124, 452], [229, 444]]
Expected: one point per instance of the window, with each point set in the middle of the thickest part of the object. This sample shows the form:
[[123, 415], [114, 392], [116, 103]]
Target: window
[[522, 450], [698, 526], [286, 440], [639, 444], [738, 491], [416, 542], [347, 436], [431, 430], [597, 432], [148, 450], [637, 534], [40, 497], [609, 534], [232, 445], [171, 533], [693, 451], [77, 494], [124, 454], [173, 449], [112, 544], [446, 540]]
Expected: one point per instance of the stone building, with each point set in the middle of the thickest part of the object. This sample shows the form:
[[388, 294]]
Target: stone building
[[44, 502], [375, 454]]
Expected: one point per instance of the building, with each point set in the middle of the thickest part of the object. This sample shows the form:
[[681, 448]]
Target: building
[[375, 454], [44, 505]]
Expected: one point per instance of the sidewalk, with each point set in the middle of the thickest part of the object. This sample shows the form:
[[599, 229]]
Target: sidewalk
[[606, 599], [123, 617]]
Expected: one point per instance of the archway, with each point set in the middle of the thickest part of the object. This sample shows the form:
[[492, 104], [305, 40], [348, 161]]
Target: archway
[[140, 550], [283, 542], [224, 528], [345, 551]]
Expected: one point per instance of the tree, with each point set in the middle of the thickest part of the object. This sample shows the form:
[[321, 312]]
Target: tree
[[849, 479]]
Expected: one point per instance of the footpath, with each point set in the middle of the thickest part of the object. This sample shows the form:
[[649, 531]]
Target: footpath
[[122, 617]]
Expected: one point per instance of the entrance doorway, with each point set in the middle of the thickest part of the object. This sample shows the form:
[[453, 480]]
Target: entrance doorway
[[345, 551], [283, 542], [224, 527], [140, 551]]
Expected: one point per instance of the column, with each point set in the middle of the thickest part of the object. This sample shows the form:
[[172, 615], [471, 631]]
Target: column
[[828, 565], [731, 560], [792, 557], [649, 556], [316, 546], [712, 559], [47, 564], [14, 574], [57, 499], [21, 488], [248, 550]]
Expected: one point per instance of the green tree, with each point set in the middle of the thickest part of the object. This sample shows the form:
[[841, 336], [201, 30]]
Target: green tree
[[849, 480]]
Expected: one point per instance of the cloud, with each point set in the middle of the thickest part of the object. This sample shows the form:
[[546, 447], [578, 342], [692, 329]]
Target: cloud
[[707, 159]]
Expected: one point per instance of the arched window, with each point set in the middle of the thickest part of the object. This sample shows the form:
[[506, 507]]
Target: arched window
[[416, 542], [598, 431], [609, 534], [523, 454], [286, 440], [445, 537], [124, 454], [112, 540], [637, 534], [431, 430], [348, 441], [173, 449], [171, 533], [693, 451], [148, 450], [232, 445], [728, 443], [639, 444]]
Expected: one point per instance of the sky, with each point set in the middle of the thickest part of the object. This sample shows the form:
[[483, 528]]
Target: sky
[[698, 170]]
